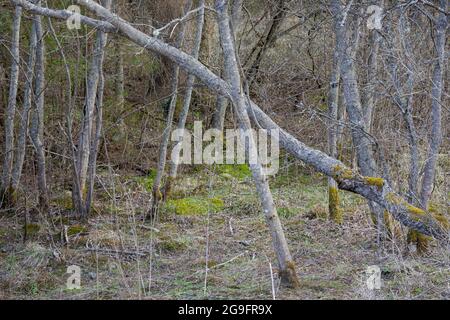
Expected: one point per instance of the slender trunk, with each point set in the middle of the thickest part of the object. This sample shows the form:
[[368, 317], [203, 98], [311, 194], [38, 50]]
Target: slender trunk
[[361, 140], [88, 114], [335, 212], [95, 140], [156, 192], [220, 110], [11, 110], [435, 139], [285, 262], [37, 119], [188, 95], [370, 87], [27, 101]]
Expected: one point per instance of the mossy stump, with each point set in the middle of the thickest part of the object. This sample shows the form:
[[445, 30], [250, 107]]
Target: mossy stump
[[335, 212]]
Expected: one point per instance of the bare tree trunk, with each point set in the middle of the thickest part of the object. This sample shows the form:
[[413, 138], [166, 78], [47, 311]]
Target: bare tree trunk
[[37, 119], [286, 264], [95, 140], [88, 114], [403, 98], [188, 95], [361, 140], [435, 139], [372, 188], [220, 110], [27, 101], [335, 212], [157, 194], [87, 133], [11, 110], [370, 85]]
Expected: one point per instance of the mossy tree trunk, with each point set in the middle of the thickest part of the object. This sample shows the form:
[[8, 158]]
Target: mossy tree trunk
[[334, 210]]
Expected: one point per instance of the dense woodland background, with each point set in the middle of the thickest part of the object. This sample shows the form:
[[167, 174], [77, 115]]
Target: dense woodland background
[[87, 179]]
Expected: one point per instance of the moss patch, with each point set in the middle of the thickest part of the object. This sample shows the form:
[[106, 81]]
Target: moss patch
[[334, 205], [195, 206], [374, 181], [239, 171]]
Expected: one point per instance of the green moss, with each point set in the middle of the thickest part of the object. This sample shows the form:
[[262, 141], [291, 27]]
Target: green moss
[[195, 206], [374, 181], [238, 171], [415, 210], [341, 173], [334, 205], [147, 181], [419, 240], [75, 230], [289, 276]]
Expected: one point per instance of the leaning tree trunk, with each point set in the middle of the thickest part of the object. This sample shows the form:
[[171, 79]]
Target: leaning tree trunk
[[37, 119], [157, 195], [285, 262], [372, 188], [19, 156], [187, 96], [5, 195]]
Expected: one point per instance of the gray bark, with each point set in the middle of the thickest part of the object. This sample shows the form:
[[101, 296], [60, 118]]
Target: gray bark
[[333, 102], [85, 139], [218, 120], [19, 156], [157, 194], [435, 139], [285, 262], [11, 108], [37, 119], [188, 95], [95, 140]]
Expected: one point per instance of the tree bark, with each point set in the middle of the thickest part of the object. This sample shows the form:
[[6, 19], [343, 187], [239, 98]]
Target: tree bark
[[435, 139], [334, 210], [5, 195], [156, 190], [19, 156], [285, 262], [37, 119], [188, 94]]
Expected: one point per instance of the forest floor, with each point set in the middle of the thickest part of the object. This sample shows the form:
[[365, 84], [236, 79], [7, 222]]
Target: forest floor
[[210, 241]]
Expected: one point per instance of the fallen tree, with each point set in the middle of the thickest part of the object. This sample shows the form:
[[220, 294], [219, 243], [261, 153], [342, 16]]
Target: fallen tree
[[372, 188]]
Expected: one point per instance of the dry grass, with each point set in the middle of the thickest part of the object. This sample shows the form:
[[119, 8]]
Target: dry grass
[[220, 255]]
